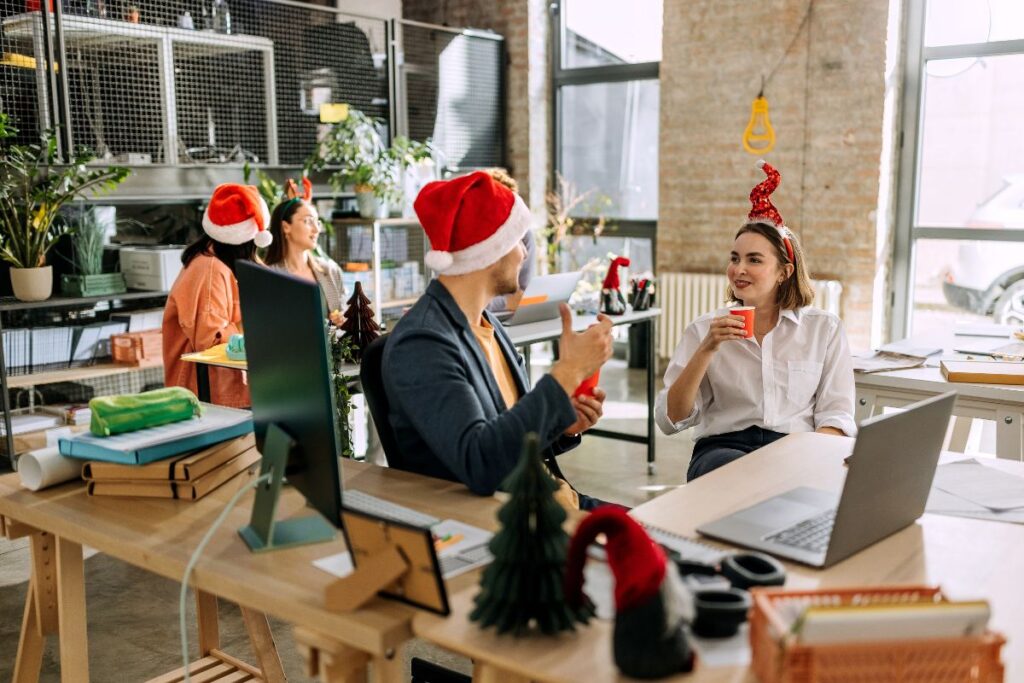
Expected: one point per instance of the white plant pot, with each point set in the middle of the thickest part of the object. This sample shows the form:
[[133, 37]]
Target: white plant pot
[[371, 206], [32, 284]]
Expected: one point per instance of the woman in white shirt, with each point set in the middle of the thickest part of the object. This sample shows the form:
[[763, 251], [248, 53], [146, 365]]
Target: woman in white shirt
[[794, 375], [295, 226]]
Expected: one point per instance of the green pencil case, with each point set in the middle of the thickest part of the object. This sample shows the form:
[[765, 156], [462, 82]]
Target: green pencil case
[[131, 412]]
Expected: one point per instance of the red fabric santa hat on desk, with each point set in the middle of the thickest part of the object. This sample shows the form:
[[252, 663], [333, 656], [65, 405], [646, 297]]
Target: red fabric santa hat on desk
[[471, 221], [237, 214], [764, 211]]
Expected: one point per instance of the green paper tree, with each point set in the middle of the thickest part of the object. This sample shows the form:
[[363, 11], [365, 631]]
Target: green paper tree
[[359, 327], [522, 587]]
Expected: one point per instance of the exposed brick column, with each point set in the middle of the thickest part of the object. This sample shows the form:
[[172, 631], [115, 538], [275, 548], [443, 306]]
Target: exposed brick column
[[827, 110]]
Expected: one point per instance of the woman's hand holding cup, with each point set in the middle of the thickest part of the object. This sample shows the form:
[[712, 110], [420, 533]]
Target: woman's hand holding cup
[[726, 328]]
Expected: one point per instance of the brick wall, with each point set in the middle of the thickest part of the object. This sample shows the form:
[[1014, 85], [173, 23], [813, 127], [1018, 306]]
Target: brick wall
[[524, 25], [826, 104]]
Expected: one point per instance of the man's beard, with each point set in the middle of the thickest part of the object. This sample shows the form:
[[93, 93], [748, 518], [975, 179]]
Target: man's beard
[[505, 284]]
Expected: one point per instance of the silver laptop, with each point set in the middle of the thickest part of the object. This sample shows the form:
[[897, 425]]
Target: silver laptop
[[887, 484], [541, 299]]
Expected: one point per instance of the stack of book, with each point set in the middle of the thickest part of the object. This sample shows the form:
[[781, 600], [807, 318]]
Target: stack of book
[[188, 477]]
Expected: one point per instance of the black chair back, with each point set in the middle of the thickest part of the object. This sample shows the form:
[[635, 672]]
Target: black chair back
[[377, 399]]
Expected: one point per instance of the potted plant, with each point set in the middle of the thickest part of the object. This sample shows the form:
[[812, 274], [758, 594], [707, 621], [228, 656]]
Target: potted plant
[[32, 192], [90, 280], [354, 147]]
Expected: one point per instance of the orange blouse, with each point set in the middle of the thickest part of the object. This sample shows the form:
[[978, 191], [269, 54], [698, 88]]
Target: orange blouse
[[203, 311]]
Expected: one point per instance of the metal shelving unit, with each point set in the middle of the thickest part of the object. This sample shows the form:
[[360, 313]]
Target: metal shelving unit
[[392, 239], [10, 304], [169, 46]]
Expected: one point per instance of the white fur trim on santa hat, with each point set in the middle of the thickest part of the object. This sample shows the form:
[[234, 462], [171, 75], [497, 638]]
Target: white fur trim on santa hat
[[761, 163], [483, 254], [237, 233], [263, 239]]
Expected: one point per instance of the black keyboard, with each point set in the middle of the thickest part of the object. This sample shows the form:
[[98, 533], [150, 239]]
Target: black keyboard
[[811, 534]]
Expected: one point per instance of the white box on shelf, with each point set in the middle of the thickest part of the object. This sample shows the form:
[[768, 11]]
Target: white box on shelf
[[154, 268]]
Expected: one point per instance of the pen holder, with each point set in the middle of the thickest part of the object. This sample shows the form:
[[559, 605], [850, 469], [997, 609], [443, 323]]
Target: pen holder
[[776, 657]]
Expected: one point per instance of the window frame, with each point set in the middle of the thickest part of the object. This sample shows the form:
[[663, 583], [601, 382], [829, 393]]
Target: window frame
[[590, 75], [908, 230]]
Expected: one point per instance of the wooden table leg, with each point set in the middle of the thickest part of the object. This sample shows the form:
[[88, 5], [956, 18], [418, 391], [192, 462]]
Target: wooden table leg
[[207, 622], [29, 660], [263, 646], [390, 669], [330, 661], [488, 673], [74, 644]]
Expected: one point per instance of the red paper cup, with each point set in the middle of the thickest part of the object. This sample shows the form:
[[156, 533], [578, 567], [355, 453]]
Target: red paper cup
[[747, 312], [588, 385]]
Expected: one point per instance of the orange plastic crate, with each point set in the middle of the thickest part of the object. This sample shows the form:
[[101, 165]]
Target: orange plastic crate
[[778, 659], [141, 349]]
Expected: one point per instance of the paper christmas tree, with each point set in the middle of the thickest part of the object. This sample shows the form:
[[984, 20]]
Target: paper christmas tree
[[359, 327], [522, 587]]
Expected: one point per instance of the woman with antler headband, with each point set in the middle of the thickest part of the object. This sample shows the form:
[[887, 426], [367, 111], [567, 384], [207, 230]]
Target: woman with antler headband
[[793, 374], [295, 226]]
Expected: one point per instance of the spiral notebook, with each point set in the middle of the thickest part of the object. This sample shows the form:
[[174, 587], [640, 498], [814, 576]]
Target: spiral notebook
[[688, 548]]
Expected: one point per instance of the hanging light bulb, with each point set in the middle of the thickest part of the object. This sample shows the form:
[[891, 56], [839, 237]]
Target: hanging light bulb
[[759, 136]]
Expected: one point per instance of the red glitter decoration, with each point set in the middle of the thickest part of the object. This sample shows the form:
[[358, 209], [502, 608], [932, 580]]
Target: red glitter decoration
[[763, 210]]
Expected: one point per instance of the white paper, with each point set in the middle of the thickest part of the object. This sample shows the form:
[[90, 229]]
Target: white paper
[[47, 467], [339, 565], [718, 652], [986, 486]]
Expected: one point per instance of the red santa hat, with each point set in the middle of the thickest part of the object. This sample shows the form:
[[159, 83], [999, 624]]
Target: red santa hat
[[471, 221], [651, 602], [764, 211], [611, 280], [237, 214]]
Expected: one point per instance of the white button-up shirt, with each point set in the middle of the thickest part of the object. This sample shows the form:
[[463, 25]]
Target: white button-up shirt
[[800, 378]]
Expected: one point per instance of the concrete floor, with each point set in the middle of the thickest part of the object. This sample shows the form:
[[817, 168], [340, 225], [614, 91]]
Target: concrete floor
[[133, 615]]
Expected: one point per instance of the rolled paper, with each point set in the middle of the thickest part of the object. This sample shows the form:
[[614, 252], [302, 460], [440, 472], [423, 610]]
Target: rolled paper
[[46, 467]]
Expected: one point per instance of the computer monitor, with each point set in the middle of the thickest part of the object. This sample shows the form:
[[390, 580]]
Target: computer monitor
[[293, 404]]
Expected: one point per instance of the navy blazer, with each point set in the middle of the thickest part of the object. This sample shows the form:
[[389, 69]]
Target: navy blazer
[[446, 410]]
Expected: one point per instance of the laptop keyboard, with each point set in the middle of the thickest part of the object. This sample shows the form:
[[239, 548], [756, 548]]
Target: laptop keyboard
[[467, 559], [811, 534]]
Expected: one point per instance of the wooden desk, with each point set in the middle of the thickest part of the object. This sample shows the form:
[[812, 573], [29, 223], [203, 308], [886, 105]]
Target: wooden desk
[[160, 536], [550, 330], [968, 558]]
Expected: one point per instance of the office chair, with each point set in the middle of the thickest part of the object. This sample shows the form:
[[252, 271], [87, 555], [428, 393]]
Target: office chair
[[377, 399]]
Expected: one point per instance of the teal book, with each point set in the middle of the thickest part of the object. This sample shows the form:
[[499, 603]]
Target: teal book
[[165, 441]]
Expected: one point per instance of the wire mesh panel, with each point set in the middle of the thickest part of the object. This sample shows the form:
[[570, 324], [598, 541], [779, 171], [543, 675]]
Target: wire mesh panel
[[191, 81], [453, 85], [22, 73]]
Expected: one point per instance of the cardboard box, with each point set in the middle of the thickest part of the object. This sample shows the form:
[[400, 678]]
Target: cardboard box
[[153, 268]]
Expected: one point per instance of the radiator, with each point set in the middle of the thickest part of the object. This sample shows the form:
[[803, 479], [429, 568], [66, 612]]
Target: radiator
[[683, 297]]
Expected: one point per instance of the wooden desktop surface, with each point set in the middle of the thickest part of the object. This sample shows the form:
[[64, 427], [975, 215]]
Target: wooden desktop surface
[[968, 558], [160, 536]]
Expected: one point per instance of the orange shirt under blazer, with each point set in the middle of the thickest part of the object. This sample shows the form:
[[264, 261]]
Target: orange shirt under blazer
[[203, 311]]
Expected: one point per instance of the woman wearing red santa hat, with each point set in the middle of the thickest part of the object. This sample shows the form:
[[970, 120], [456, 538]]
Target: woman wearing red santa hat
[[202, 307], [295, 227], [793, 374]]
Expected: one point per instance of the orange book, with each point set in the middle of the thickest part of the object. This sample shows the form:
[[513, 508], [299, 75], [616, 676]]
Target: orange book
[[248, 461], [181, 468]]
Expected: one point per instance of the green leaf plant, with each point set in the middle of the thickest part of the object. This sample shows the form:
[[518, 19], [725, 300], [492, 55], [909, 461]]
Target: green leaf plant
[[34, 188]]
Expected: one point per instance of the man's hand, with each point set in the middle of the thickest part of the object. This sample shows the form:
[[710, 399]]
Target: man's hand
[[581, 354], [589, 410]]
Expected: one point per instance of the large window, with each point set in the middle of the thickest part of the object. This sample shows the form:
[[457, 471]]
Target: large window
[[606, 102], [960, 247]]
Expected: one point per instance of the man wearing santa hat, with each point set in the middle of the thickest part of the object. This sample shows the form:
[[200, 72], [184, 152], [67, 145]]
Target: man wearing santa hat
[[460, 400]]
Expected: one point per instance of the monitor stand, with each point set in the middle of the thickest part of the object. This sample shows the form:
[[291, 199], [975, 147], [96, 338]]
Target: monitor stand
[[263, 532]]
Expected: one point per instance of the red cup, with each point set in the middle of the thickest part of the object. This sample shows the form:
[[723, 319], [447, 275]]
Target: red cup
[[588, 385], [747, 313]]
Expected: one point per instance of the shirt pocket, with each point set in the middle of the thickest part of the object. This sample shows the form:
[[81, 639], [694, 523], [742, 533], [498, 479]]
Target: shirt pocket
[[803, 379]]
